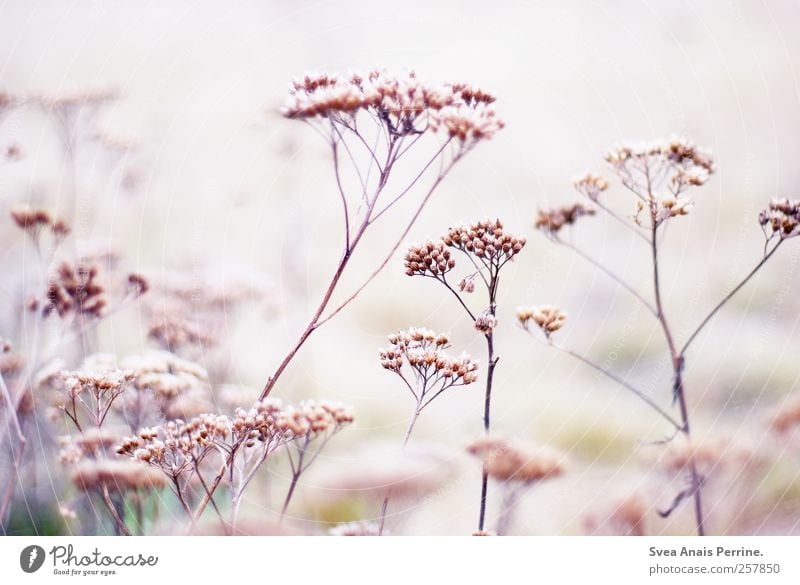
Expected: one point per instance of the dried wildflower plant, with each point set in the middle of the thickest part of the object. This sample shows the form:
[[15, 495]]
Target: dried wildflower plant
[[211, 448], [371, 123], [658, 177], [487, 247]]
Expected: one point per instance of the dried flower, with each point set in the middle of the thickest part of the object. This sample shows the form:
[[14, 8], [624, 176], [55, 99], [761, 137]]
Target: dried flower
[[487, 240], [31, 220], [590, 185], [94, 387], [781, 219], [429, 259], [678, 162], [547, 317], [75, 289], [550, 221], [467, 284], [485, 322], [403, 104], [505, 461], [423, 350]]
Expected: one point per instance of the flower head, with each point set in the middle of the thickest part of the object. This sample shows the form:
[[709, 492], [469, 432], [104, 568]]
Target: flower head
[[548, 318], [781, 219], [551, 221], [429, 259]]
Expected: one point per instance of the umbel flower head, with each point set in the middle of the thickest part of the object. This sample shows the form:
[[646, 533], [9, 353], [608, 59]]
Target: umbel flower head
[[402, 103], [429, 259], [590, 185], [506, 461], [677, 163], [781, 219], [486, 240], [424, 351], [548, 318], [34, 220], [551, 221]]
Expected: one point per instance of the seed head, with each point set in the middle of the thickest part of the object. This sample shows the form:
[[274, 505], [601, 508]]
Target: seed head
[[429, 259], [548, 318], [550, 221]]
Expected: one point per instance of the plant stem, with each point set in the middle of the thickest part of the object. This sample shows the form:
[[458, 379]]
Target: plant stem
[[407, 437], [487, 410], [677, 364], [112, 509], [728, 297]]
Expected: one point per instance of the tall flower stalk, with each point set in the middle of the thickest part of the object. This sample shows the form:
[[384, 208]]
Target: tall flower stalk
[[658, 176], [419, 358], [371, 122], [488, 248]]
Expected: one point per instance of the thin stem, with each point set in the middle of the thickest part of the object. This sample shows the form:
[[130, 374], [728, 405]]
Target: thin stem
[[679, 391], [728, 297], [112, 509], [614, 215], [385, 504], [622, 382], [296, 471], [608, 273], [392, 251], [458, 296]]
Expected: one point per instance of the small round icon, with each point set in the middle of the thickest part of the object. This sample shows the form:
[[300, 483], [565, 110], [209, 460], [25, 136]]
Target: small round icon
[[31, 558]]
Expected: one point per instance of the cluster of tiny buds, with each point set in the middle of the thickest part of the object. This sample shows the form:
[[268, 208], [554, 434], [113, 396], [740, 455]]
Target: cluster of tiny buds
[[33, 221], [547, 317], [590, 185], [429, 259], [104, 383], [506, 461], [485, 322], [688, 165], [75, 289], [177, 442], [402, 103], [312, 418], [392, 357], [551, 221], [486, 240], [781, 218]]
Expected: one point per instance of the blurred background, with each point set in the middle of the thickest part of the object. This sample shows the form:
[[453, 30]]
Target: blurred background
[[192, 171]]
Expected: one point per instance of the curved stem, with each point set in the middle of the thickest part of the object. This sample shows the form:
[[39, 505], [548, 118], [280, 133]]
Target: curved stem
[[609, 273], [728, 297]]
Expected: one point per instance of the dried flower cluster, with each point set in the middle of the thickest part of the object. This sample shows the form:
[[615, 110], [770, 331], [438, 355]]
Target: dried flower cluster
[[590, 185], [509, 462], [403, 104], [781, 219], [34, 220], [429, 259], [548, 318], [551, 221], [75, 290], [486, 240], [677, 163], [424, 351]]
